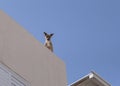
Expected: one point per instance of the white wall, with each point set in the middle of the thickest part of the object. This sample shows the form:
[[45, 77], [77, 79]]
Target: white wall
[[29, 58]]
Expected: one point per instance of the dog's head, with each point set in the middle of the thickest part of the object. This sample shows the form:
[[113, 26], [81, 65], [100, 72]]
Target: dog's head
[[48, 36]]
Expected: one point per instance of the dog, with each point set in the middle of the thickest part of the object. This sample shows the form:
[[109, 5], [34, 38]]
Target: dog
[[48, 42]]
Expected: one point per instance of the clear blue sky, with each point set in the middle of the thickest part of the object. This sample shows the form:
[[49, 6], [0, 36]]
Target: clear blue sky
[[87, 32]]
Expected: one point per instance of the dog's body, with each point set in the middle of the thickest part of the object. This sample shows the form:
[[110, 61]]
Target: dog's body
[[48, 42]]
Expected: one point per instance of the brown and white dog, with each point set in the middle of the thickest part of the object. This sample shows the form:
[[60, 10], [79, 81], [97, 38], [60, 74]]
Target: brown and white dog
[[48, 42]]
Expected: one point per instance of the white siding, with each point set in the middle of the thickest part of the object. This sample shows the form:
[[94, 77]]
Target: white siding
[[10, 78]]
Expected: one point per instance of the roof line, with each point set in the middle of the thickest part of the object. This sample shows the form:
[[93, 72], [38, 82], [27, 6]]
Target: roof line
[[92, 74]]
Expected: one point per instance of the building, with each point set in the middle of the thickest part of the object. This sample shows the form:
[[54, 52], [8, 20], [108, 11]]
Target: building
[[91, 79], [26, 62]]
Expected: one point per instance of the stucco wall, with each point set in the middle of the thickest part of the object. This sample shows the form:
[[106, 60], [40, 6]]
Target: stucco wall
[[29, 58]]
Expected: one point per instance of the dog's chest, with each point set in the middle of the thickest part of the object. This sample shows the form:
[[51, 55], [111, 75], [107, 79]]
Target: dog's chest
[[48, 43]]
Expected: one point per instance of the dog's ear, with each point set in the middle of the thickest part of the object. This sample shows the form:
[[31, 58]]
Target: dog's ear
[[45, 33], [52, 34]]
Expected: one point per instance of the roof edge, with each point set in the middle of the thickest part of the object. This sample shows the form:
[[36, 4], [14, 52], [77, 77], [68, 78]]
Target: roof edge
[[91, 75], [96, 76]]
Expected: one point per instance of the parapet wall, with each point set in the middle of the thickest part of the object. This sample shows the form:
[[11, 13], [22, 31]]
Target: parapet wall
[[21, 52]]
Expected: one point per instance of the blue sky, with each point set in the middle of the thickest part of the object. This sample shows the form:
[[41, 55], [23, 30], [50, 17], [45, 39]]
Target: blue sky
[[87, 32]]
